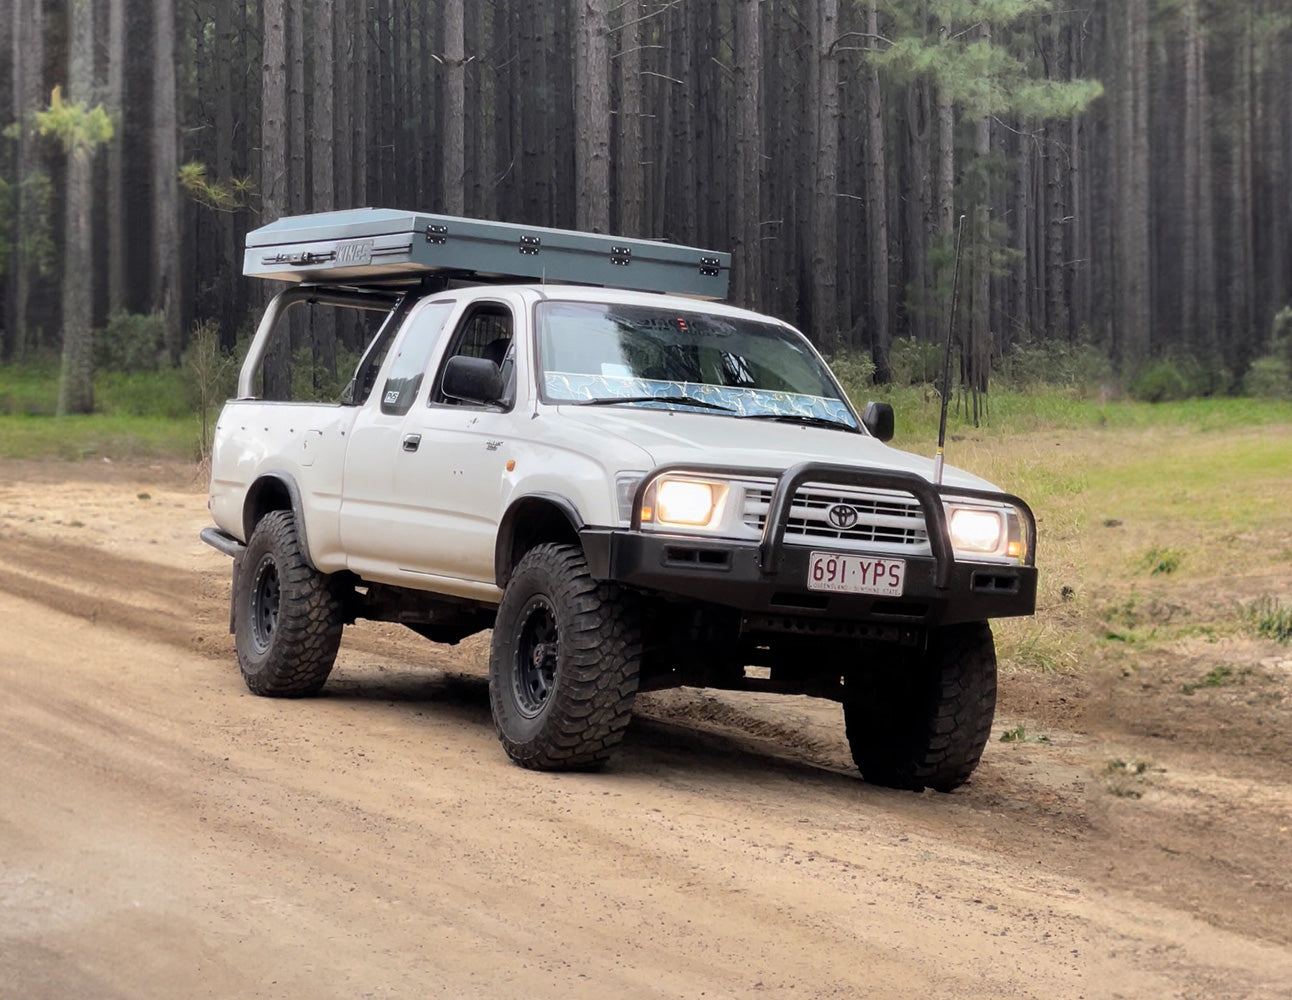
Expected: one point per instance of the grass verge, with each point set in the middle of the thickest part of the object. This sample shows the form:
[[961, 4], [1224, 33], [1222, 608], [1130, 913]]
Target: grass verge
[[99, 435]]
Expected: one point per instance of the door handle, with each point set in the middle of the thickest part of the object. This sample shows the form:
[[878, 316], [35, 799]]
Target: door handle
[[411, 441]]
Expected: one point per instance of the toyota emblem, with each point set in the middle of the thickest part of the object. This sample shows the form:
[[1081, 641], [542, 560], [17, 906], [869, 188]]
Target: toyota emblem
[[842, 516]]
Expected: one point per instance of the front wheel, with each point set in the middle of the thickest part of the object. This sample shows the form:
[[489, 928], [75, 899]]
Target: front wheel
[[564, 663], [287, 615], [923, 724]]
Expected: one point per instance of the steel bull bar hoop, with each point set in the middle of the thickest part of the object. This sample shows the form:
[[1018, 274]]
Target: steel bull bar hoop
[[930, 498]]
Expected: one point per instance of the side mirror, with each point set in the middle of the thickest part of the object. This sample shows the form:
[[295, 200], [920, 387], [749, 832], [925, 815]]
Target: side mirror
[[878, 419], [472, 380]]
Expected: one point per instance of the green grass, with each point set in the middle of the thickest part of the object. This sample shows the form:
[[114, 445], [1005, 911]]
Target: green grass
[[918, 409], [1019, 734], [137, 414], [99, 435], [1218, 677], [1271, 619]]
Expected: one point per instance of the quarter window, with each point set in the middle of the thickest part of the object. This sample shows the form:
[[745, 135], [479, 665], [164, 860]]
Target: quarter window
[[409, 365]]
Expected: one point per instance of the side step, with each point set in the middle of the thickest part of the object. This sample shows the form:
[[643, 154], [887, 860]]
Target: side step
[[223, 542]]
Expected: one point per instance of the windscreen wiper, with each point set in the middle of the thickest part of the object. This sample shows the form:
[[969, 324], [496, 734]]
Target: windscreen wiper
[[801, 418], [679, 400]]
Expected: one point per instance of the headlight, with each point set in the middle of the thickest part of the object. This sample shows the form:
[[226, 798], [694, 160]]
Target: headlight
[[975, 530], [681, 502], [684, 502]]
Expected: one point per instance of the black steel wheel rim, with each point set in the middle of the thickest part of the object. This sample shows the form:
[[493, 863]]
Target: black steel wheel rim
[[266, 596], [534, 670]]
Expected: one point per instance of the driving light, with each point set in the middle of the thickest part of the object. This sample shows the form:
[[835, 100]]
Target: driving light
[[975, 530], [682, 501]]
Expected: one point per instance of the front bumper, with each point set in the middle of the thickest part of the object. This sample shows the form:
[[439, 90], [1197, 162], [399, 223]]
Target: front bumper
[[769, 577]]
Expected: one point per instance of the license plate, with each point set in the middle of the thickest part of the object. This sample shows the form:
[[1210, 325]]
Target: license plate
[[850, 574]]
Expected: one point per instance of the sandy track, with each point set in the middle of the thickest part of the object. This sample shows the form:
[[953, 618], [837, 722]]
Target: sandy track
[[166, 834]]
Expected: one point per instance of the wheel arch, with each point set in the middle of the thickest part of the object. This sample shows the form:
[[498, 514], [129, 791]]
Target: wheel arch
[[533, 520], [275, 491]]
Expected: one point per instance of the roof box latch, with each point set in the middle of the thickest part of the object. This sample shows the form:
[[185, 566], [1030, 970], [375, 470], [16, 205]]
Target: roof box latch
[[623, 256], [710, 267], [439, 235], [299, 259], [529, 245]]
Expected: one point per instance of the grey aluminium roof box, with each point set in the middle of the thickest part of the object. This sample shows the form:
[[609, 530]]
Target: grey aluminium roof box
[[388, 246]]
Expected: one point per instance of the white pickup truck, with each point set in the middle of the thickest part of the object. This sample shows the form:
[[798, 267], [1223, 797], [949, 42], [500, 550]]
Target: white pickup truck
[[633, 489]]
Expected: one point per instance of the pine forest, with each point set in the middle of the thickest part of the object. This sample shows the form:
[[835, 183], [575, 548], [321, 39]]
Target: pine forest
[[1117, 172]]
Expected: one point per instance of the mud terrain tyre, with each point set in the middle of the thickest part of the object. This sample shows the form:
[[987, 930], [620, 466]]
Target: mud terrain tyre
[[564, 663], [924, 724], [287, 615]]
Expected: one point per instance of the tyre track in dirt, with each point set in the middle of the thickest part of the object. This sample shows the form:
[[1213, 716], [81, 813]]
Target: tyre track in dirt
[[104, 588], [377, 840]]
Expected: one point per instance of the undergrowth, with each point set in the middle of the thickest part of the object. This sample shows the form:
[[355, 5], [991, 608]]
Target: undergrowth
[[1271, 619]]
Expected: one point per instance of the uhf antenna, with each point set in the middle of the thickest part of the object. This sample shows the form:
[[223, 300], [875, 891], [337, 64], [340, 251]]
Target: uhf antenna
[[946, 358]]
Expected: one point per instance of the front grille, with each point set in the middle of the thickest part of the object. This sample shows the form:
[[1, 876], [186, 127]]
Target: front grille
[[881, 515]]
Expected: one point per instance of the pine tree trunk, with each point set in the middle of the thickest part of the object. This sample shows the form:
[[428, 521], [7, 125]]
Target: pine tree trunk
[[630, 201], [359, 27], [980, 334], [534, 121], [484, 168], [273, 170], [1131, 191], [321, 165], [1240, 255], [323, 125], [1275, 164], [28, 90], [921, 219], [881, 338], [1080, 184], [1058, 221], [747, 262], [116, 248], [381, 80], [592, 117], [454, 123], [297, 180], [825, 217], [76, 381], [228, 277], [343, 108], [679, 215], [165, 179], [944, 202]]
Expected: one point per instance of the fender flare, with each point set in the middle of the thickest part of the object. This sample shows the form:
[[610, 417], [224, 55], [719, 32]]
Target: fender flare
[[264, 496], [553, 505]]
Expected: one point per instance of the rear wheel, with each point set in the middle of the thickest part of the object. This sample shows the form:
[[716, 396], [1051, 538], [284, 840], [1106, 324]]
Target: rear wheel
[[564, 664], [924, 724], [287, 615]]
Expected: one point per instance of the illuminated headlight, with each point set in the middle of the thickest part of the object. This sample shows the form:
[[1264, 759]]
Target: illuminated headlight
[[985, 531], [975, 530], [684, 502]]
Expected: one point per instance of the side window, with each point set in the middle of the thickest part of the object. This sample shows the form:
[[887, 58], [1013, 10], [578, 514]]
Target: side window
[[408, 366], [485, 332]]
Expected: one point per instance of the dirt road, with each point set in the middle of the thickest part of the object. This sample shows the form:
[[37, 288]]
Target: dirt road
[[165, 834]]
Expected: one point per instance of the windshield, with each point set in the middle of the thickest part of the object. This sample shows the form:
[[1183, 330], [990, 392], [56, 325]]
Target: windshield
[[643, 355]]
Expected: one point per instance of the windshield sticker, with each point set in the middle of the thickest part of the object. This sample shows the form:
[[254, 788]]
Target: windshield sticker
[[574, 387], [650, 321]]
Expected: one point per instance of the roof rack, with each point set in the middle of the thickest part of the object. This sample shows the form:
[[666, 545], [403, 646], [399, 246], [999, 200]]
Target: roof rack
[[372, 246]]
